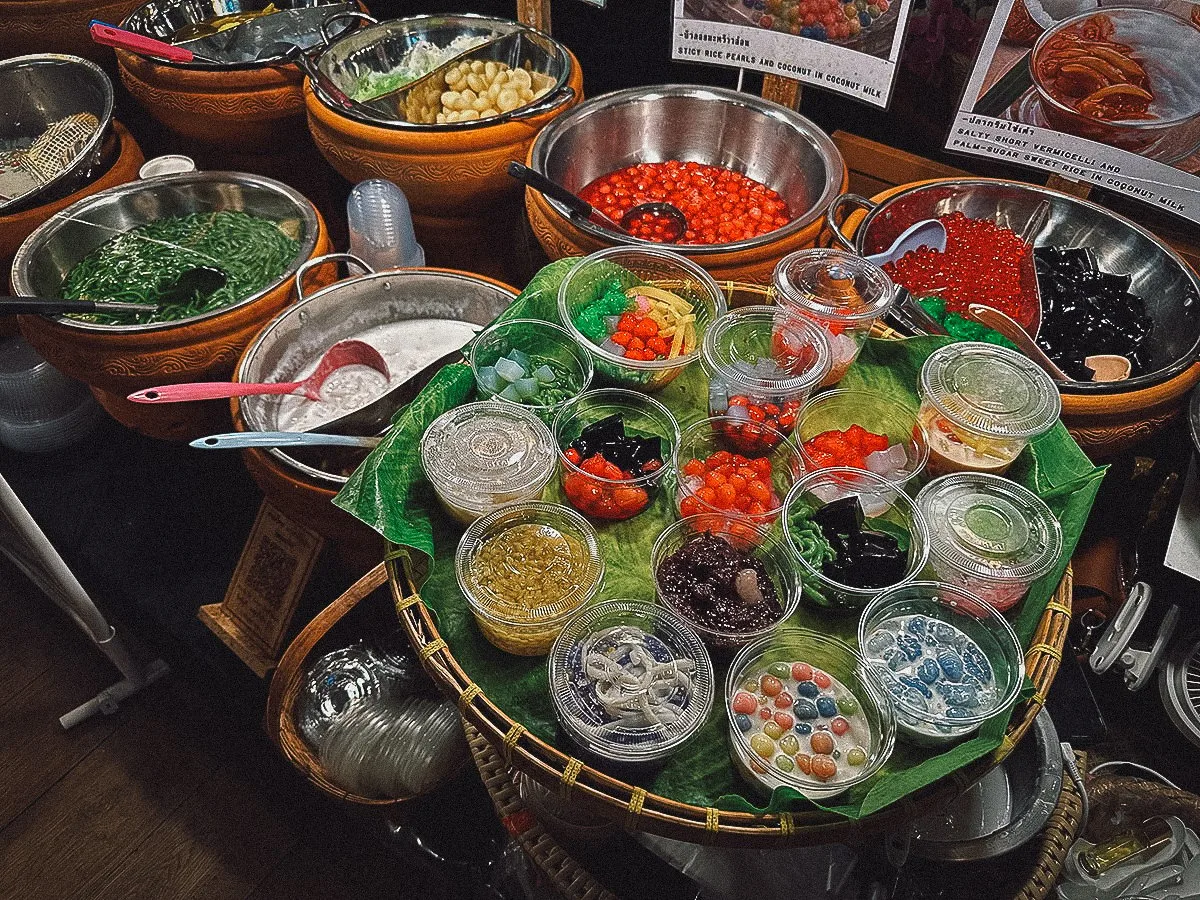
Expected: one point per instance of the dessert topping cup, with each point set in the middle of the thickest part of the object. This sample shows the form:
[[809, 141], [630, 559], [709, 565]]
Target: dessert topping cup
[[534, 363]]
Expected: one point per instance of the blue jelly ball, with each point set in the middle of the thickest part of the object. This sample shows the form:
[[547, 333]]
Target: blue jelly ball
[[804, 709], [916, 626], [917, 685], [950, 663], [929, 671], [807, 689], [827, 707], [819, 33], [864, 19], [909, 646], [743, 722], [803, 728]]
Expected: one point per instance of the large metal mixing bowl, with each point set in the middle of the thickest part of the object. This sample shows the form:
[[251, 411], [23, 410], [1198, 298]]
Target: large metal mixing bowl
[[48, 255], [347, 309], [38, 90], [763, 140], [1169, 287]]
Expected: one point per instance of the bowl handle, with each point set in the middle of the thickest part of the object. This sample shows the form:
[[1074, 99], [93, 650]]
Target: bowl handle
[[547, 103], [311, 264], [831, 217], [327, 39]]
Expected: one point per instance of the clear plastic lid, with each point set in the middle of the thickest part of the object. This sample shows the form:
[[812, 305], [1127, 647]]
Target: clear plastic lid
[[747, 347], [478, 454], [990, 390], [833, 284], [529, 563], [630, 681], [987, 526]]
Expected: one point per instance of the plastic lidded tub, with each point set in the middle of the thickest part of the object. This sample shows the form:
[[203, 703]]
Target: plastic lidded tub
[[483, 455], [762, 371], [525, 569], [601, 288], [630, 682], [901, 461], [32, 392], [948, 659], [981, 404], [591, 486], [880, 539], [712, 602], [843, 292], [989, 535], [807, 712], [530, 362]]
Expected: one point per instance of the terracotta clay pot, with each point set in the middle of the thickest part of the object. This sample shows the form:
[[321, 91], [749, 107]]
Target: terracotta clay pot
[[57, 26], [1104, 424], [116, 362], [243, 110]]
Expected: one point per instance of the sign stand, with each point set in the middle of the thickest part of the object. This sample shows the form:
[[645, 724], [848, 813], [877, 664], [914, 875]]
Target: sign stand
[[271, 574]]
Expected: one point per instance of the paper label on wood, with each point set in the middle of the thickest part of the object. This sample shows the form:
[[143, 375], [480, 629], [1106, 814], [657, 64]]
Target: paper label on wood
[[855, 55], [1111, 104]]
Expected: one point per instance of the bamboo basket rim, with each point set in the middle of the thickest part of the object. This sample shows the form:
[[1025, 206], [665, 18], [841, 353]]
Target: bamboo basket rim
[[638, 809]]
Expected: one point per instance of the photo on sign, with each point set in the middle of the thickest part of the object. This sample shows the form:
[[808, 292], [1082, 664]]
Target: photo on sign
[[1125, 77], [849, 46]]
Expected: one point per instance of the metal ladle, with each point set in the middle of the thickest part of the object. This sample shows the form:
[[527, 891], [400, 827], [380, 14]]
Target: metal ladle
[[195, 283]]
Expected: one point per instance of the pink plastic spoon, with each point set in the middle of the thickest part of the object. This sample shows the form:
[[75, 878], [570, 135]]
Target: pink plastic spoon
[[343, 353]]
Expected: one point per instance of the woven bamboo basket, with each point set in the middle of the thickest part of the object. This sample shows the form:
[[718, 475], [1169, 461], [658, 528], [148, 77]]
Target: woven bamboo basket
[[640, 810]]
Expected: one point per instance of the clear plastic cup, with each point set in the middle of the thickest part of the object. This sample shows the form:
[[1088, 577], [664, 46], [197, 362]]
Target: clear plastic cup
[[545, 345], [525, 570], [483, 455], [593, 494], [840, 410], [762, 543], [625, 710], [886, 508], [858, 700], [624, 268], [981, 404], [988, 535], [761, 371], [845, 293], [963, 652], [696, 493]]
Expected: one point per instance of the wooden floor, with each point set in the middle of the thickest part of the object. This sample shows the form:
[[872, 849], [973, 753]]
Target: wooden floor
[[168, 798]]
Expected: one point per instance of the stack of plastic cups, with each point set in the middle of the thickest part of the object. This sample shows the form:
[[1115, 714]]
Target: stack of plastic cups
[[40, 408]]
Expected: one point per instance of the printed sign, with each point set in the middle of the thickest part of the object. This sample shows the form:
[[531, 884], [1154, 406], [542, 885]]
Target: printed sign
[[850, 47], [1105, 95]]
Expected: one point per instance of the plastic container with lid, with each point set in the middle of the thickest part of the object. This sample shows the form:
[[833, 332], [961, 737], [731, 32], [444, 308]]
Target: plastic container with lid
[[981, 404], [762, 371], [483, 455], [714, 474], [525, 569], [614, 270], [845, 293], [40, 408], [594, 492], [886, 511], [630, 682], [989, 535], [542, 365], [704, 609], [901, 462], [948, 659], [806, 712]]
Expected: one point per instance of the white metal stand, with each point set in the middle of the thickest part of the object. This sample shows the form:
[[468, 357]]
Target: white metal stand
[[22, 541]]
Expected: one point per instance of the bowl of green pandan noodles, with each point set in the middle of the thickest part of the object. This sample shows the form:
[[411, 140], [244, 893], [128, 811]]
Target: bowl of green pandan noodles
[[133, 243]]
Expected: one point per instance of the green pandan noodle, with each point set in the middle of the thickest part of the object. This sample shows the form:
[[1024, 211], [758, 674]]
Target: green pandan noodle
[[961, 328]]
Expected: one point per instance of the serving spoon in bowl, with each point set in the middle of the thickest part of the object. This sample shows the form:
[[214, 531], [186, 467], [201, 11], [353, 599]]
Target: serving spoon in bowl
[[340, 355], [198, 282]]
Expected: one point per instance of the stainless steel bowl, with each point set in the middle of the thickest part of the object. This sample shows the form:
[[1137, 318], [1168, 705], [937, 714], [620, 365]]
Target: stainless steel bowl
[[161, 19], [1169, 287], [380, 48], [763, 140], [43, 88], [44, 259], [299, 334]]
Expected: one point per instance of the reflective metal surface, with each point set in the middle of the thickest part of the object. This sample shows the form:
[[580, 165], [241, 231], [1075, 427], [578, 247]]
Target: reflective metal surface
[[344, 310], [44, 259], [1170, 289], [38, 90], [763, 140], [381, 48]]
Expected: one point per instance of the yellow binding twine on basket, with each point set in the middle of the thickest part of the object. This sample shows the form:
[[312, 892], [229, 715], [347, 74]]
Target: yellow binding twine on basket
[[470, 692], [787, 825], [634, 808], [511, 739], [712, 822], [1048, 649], [405, 602], [431, 648], [1058, 607], [570, 773]]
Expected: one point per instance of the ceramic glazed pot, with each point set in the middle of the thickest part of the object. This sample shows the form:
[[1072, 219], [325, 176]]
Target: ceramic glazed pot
[[769, 143], [117, 360], [1106, 418], [57, 26]]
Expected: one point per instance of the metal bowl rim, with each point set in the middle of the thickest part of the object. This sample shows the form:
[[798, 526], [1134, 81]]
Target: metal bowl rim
[[802, 126], [1079, 388], [29, 200], [307, 213]]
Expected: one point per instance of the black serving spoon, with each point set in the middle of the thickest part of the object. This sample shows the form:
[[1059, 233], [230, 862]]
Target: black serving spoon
[[193, 284]]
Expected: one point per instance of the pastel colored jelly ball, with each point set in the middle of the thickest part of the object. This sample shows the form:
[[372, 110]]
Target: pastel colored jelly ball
[[804, 728], [784, 721], [784, 763], [762, 745], [744, 703], [751, 685], [804, 763], [770, 685], [827, 707], [802, 671], [839, 726], [789, 744], [821, 742], [744, 723], [783, 700], [779, 669], [765, 713], [848, 705], [807, 689], [823, 767], [856, 756], [821, 680]]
